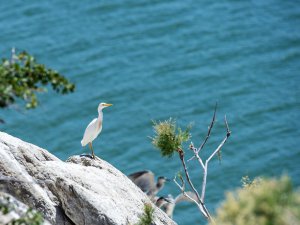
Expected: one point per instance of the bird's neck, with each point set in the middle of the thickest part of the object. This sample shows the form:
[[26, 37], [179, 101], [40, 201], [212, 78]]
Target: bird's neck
[[159, 185], [100, 114], [159, 204]]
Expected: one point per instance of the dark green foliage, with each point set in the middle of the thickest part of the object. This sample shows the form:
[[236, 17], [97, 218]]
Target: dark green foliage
[[22, 77], [261, 202], [168, 138], [147, 217]]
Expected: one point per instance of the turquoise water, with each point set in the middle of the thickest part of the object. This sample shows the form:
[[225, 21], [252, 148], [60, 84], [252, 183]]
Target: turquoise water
[[161, 59]]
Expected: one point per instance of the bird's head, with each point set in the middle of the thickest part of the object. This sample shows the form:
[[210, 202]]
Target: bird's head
[[103, 105], [162, 201], [161, 181]]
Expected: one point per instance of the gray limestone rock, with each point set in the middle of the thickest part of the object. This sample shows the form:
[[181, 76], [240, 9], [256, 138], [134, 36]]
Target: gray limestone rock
[[80, 191]]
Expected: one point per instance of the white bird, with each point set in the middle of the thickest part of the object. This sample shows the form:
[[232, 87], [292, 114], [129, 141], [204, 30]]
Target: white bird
[[94, 128]]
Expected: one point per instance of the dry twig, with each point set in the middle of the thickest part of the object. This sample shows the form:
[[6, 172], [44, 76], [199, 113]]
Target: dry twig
[[200, 203]]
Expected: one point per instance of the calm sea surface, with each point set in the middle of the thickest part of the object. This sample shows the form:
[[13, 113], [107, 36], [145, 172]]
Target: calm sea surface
[[159, 59]]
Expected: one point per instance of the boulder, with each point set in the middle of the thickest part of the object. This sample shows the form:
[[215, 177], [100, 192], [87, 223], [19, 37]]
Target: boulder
[[81, 191]]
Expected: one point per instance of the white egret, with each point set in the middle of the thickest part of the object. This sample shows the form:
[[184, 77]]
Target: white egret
[[94, 128]]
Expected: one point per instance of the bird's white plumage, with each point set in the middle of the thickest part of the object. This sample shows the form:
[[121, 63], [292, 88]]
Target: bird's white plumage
[[95, 126], [91, 131]]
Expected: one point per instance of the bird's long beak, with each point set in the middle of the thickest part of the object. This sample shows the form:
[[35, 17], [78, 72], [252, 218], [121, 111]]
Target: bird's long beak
[[106, 104]]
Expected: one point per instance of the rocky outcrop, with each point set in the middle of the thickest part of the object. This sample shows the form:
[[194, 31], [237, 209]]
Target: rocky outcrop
[[79, 191]]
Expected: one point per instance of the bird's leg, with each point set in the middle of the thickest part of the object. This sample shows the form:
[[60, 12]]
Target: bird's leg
[[91, 147]]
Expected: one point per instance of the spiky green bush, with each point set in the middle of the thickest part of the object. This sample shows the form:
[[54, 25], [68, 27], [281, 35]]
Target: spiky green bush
[[147, 217], [261, 202], [168, 137]]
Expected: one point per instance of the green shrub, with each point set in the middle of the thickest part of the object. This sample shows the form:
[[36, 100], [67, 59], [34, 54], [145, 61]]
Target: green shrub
[[22, 77], [147, 217], [261, 202], [169, 138]]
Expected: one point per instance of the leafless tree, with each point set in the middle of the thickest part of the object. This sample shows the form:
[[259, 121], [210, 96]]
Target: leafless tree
[[200, 200]]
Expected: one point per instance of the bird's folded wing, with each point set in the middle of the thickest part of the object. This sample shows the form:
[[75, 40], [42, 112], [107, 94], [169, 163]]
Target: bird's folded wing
[[143, 179], [181, 197]]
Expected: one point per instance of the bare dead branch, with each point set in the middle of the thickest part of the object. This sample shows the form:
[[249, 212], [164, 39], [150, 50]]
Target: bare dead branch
[[222, 143], [227, 127], [208, 134], [196, 155], [204, 183], [200, 200], [209, 129], [181, 156], [182, 182], [210, 157], [182, 188]]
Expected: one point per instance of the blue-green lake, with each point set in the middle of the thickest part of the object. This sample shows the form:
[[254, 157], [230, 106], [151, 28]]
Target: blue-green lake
[[159, 59]]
